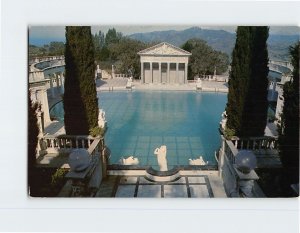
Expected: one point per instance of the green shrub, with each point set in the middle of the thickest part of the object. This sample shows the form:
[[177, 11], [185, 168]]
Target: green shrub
[[57, 179], [97, 131], [229, 133]]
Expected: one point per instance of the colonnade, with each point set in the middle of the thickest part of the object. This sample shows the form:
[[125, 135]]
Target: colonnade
[[164, 72]]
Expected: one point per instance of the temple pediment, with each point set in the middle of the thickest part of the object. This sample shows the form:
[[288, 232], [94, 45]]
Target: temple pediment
[[164, 49]]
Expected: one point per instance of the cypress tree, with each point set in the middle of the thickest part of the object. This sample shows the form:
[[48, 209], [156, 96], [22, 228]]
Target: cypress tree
[[238, 79], [255, 114], [247, 98], [289, 129], [33, 132], [80, 97]]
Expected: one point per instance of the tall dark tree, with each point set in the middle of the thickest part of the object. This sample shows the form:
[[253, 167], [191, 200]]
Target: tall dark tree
[[33, 132], [99, 42], [112, 36], [247, 98], [80, 97], [255, 111], [125, 52], [289, 130], [204, 58], [238, 79]]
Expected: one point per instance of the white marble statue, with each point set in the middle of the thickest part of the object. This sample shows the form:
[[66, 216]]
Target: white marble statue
[[129, 82], [161, 154], [199, 83], [223, 121], [101, 118], [129, 161], [199, 161]]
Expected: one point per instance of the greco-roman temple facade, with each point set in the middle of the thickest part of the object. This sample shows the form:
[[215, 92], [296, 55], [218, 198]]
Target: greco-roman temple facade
[[164, 63]]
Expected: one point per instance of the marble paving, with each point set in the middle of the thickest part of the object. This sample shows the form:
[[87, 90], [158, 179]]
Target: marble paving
[[192, 186]]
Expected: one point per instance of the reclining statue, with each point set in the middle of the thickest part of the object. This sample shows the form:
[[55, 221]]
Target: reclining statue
[[161, 154], [199, 161], [129, 161]]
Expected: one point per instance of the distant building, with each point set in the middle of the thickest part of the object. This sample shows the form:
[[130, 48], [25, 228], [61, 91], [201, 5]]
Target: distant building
[[164, 63]]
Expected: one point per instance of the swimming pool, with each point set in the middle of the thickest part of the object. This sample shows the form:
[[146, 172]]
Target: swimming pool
[[138, 122]]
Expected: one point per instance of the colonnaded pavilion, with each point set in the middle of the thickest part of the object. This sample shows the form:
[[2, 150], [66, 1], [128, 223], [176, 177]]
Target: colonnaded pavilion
[[164, 63]]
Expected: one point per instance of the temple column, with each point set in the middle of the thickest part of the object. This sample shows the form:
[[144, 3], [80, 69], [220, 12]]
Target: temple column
[[185, 72], [151, 72], [168, 72], [159, 71], [176, 76], [142, 73]]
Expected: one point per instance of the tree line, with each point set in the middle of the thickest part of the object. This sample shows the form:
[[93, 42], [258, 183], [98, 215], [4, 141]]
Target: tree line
[[54, 48], [115, 49]]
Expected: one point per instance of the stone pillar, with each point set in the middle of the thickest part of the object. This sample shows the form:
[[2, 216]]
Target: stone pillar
[[45, 106], [185, 72], [51, 87], [40, 123], [151, 72], [62, 79], [176, 76], [221, 156], [57, 80], [142, 73], [168, 72], [159, 71], [273, 90]]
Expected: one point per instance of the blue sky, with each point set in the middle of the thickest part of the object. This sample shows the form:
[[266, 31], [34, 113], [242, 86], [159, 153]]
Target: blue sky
[[40, 35]]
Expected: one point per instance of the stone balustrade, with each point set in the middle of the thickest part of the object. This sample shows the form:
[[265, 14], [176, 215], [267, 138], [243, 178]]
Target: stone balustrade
[[286, 64], [36, 76], [66, 143], [121, 75], [255, 143], [47, 58], [233, 179], [86, 182]]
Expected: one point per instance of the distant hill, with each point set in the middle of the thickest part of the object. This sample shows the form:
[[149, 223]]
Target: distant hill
[[218, 39]]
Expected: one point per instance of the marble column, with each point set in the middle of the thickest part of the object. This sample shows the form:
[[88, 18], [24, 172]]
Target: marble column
[[185, 72], [62, 79], [151, 72], [177, 76], [142, 73], [40, 123], [51, 87], [45, 106], [57, 80], [159, 71], [168, 72]]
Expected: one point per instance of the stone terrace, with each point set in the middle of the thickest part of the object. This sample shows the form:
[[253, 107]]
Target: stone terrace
[[190, 184]]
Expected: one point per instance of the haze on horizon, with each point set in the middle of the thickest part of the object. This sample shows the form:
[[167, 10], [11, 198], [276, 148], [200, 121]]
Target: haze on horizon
[[39, 35]]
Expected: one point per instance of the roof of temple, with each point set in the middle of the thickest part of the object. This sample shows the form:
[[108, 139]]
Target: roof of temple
[[164, 48]]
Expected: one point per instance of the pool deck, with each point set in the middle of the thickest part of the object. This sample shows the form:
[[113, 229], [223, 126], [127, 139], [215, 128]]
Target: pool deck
[[190, 184], [119, 84]]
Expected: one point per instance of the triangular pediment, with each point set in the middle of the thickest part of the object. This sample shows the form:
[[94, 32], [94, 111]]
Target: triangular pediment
[[164, 49]]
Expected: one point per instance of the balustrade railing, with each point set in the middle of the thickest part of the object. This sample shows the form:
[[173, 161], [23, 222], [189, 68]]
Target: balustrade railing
[[255, 143], [236, 183], [66, 143], [230, 151], [122, 75]]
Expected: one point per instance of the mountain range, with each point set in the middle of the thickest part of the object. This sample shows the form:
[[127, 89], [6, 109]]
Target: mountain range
[[278, 45]]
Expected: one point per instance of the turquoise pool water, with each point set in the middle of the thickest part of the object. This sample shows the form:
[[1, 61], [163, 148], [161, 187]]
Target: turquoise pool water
[[138, 122]]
